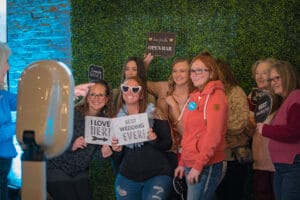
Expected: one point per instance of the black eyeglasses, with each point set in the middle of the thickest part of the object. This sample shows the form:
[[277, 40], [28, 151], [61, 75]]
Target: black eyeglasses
[[198, 71], [275, 79], [133, 89], [100, 96]]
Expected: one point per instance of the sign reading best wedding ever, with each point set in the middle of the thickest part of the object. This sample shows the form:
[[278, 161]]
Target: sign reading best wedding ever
[[128, 129]]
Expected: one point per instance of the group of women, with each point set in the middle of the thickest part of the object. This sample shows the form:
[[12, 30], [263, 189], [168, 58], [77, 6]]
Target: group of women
[[198, 120]]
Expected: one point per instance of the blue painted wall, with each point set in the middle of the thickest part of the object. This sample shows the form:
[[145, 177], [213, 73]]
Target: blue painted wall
[[37, 30]]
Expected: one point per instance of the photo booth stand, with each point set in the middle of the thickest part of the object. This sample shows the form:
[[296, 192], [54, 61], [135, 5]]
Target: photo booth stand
[[44, 121]]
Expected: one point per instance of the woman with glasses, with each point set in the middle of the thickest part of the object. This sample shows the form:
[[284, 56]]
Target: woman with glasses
[[8, 103], [144, 172], [204, 126], [284, 131], [67, 174]]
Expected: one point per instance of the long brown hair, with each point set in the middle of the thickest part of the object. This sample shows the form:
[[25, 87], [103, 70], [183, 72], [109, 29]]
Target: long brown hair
[[227, 77], [106, 111], [289, 76], [171, 82], [143, 101], [141, 70]]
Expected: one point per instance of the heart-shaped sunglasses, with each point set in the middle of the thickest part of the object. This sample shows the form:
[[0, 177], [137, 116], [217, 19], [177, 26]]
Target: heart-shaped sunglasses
[[133, 89]]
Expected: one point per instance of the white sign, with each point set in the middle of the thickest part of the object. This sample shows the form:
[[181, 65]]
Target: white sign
[[128, 129], [131, 129], [3, 27], [97, 130]]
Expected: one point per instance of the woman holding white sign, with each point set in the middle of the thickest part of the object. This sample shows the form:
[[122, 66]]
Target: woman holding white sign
[[67, 174], [145, 171], [134, 66]]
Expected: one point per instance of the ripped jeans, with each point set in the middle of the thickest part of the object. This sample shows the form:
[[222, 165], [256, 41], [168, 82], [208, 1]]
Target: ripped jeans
[[157, 187]]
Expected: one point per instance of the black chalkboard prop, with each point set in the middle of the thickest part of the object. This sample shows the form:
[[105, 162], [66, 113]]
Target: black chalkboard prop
[[161, 44], [263, 107], [95, 73], [255, 94]]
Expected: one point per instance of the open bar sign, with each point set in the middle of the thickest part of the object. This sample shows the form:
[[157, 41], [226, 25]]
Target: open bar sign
[[95, 73], [161, 44]]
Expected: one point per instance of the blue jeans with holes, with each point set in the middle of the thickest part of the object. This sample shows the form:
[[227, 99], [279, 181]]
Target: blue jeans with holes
[[287, 181], [157, 187], [209, 180]]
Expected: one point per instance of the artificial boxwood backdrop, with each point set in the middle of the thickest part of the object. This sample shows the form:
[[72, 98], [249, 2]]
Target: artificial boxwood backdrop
[[106, 33]]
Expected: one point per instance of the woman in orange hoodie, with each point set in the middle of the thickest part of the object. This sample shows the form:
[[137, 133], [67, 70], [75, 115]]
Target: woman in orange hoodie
[[204, 126]]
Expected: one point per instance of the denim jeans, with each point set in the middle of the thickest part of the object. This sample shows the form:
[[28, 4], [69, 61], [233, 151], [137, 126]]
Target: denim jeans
[[5, 164], [287, 181], [209, 180], [157, 187]]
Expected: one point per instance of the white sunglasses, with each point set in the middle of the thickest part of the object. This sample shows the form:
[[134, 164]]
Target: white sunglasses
[[133, 89]]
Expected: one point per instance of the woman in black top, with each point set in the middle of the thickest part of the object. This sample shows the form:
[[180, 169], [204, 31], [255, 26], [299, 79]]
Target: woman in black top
[[67, 174], [145, 172]]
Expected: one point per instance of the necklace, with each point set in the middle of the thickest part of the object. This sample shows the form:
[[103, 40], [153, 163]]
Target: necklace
[[180, 101]]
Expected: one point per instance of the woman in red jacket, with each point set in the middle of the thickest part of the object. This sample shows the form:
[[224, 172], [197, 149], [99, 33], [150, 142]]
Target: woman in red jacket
[[204, 127]]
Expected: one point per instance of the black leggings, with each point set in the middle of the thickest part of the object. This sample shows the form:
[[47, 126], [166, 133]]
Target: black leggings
[[70, 190], [5, 164]]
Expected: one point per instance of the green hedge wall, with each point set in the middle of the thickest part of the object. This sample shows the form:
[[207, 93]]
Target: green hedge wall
[[106, 33]]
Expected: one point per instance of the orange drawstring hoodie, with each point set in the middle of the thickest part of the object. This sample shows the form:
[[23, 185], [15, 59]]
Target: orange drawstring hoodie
[[204, 126]]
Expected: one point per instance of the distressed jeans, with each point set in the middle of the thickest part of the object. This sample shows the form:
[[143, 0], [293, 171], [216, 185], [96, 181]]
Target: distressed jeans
[[157, 187], [209, 180], [287, 181]]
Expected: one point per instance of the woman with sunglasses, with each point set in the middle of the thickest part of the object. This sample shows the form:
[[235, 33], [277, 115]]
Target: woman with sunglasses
[[145, 172], [284, 131], [134, 66], [204, 126], [67, 174]]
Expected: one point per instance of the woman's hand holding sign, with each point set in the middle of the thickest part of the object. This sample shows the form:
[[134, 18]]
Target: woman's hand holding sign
[[115, 146], [151, 134], [79, 143], [259, 127], [106, 151]]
